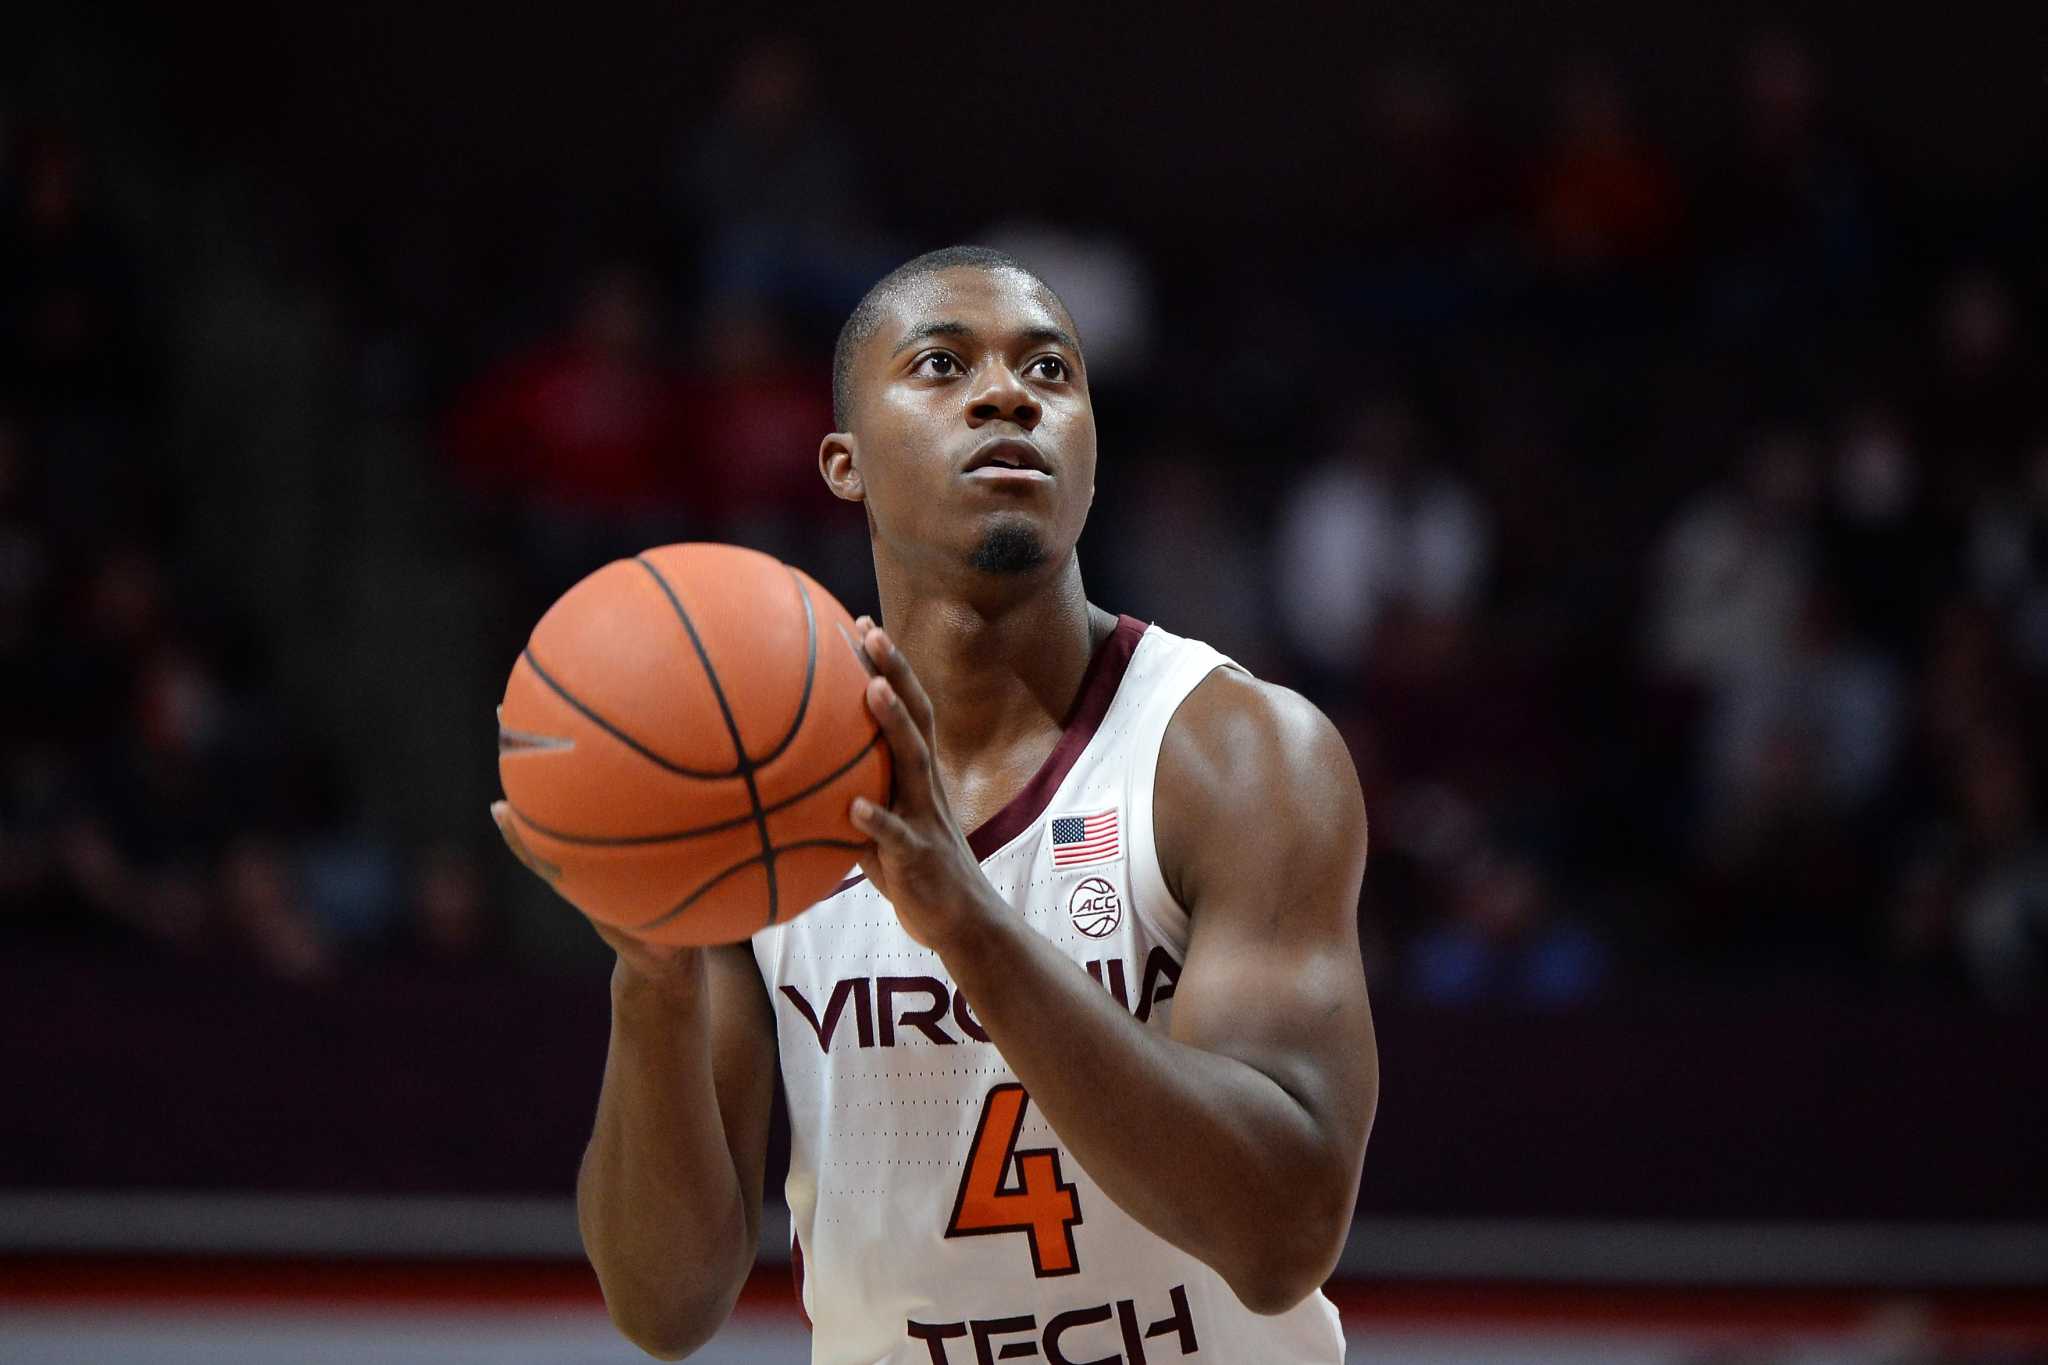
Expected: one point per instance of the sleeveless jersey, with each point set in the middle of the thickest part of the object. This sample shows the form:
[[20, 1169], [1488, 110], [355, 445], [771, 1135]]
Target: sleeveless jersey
[[937, 1217]]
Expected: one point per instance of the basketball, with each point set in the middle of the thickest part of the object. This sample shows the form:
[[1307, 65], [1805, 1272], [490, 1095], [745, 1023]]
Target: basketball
[[681, 738]]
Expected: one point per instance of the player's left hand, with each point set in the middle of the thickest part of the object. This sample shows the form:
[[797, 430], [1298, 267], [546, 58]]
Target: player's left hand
[[919, 859]]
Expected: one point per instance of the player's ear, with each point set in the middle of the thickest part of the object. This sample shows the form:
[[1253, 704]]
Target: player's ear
[[836, 462]]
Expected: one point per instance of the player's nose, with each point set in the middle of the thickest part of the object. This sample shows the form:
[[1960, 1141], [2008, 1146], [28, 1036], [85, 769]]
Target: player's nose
[[1002, 395]]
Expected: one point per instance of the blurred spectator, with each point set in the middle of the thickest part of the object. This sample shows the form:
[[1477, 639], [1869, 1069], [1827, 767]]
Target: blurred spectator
[[110, 626], [1790, 226], [348, 879], [446, 922], [1603, 194], [1504, 943], [69, 342], [1967, 683], [1920, 938], [1184, 558], [153, 813], [775, 191], [1431, 180], [2008, 549], [1974, 897], [1818, 727], [267, 914], [1813, 705], [1099, 275], [1985, 394], [2004, 915], [1734, 568], [1373, 525], [755, 410], [1424, 200], [1966, 900], [583, 441], [1883, 547], [588, 422]]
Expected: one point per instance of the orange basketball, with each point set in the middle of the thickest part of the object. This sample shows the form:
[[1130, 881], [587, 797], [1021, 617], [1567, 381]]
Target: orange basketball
[[680, 741]]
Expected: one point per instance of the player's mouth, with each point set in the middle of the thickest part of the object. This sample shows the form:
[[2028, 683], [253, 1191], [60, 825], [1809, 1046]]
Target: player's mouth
[[1008, 459]]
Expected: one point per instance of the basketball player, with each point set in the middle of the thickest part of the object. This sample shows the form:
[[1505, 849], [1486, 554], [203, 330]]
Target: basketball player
[[1081, 1068]]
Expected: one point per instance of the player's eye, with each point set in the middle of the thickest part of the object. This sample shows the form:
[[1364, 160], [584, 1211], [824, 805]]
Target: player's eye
[[936, 363], [1049, 367]]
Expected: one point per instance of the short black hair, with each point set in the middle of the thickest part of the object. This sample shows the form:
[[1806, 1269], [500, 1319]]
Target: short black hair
[[867, 314]]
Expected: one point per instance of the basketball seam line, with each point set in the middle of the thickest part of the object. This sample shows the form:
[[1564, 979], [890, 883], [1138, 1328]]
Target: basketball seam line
[[614, 731], [766, 856], [739, 745], [629, 840], [803, 702]]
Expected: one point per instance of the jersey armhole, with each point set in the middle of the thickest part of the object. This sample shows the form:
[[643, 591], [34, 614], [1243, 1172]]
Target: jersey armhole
[[1151, 899]]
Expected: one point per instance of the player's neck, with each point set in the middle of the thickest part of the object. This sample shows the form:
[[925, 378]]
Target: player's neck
[[996, 664]]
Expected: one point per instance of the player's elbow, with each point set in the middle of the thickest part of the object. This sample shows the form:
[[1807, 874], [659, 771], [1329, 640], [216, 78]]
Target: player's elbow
[[1273, 1289], [673, 1315], [1296, 1255], [670, 1297], [1286, 1275], [662, 1349], [672, 1331]]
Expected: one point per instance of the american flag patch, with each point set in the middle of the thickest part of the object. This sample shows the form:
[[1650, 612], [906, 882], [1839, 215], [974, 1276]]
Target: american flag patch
[[1090, 838]]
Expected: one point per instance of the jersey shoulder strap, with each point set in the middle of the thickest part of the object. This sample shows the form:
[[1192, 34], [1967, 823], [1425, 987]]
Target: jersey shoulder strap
[[1177, 666]]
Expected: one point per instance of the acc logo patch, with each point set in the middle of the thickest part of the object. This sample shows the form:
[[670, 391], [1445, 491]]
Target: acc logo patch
[[1095, 907]]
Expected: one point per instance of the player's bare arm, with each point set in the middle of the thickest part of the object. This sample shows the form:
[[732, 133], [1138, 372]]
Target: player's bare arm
[[1240, 1136], [669, 1194]]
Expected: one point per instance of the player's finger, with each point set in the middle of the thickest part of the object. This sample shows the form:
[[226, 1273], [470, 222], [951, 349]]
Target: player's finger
[[907, 747], [870, 860], [638, 952], [642, 959], [889, 830], [501, 815], [617, 939], [862, 626], [853, 640], [894, 665]]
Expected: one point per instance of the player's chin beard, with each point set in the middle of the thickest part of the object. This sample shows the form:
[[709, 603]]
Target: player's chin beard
[[1009, 547]]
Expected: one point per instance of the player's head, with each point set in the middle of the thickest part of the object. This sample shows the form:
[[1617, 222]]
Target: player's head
[[964, 420]]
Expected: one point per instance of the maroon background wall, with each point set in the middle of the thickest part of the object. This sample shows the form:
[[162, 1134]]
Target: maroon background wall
[[1670, 1108]]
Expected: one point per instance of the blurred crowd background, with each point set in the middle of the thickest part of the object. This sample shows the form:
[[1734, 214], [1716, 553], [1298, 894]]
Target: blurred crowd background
[[1648, 473]]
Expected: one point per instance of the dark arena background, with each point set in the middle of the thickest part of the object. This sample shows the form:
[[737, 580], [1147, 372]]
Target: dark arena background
[[1629, 422]]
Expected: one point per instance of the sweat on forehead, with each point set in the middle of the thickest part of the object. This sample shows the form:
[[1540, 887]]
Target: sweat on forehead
[[916, 283]]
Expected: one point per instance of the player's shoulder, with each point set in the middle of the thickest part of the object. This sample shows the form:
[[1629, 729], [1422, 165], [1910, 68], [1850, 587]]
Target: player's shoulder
[[1241, 761], [1238, 726], [1242, 753]]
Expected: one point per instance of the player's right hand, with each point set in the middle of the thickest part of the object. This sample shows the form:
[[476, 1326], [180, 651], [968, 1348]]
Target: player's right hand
[[501, 816], [675, 973]]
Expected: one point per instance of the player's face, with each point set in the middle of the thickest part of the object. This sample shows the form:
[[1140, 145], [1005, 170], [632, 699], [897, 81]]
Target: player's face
[[975, 438]]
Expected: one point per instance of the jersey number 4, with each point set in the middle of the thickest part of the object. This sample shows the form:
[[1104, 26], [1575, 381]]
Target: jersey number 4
[[1036, 1202]]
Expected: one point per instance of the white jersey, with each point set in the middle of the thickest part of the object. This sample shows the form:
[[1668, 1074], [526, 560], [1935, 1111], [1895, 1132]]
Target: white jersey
[[938, 1219]]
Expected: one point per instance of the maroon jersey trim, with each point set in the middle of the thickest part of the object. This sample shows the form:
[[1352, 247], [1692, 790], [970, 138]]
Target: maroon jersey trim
[[1098, 689], [1099, 684]]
